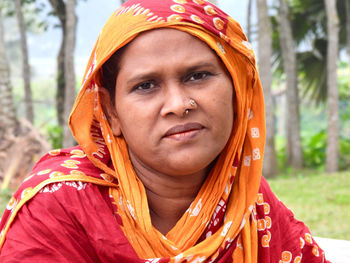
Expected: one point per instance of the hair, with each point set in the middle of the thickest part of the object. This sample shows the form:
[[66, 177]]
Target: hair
[[110, 70]]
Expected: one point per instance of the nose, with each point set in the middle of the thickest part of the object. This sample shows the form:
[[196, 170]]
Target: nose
[[174, 100]]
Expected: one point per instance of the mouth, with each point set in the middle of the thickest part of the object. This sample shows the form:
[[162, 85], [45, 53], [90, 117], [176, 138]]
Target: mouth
[[186, 131]]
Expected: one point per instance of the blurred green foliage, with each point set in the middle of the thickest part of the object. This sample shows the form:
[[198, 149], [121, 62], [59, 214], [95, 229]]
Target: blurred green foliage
[[313, 123], [314, 149], [5, 196], [54, 135], [320, 200]]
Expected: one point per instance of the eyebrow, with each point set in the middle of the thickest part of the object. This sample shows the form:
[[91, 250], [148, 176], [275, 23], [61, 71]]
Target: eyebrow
[[154, 74], [199, 66]]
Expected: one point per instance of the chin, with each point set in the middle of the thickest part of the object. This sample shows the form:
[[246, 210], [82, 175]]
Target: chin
[[187, 167]]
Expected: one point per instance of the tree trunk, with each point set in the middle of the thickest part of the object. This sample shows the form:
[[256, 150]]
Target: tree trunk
[[249, 25], [69, 72], [20, 143], [25, 62], [7, 109], [347, 10], [332, 83], [59, 8], [61, 80], [264, 58], [293, 147]]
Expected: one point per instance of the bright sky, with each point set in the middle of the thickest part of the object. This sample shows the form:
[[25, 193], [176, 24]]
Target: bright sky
[[92, 14]]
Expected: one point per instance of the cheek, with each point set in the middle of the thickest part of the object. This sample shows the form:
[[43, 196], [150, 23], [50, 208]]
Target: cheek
[[131, 124], [223, 98], [224, 106], [227, 120], [135, 122]]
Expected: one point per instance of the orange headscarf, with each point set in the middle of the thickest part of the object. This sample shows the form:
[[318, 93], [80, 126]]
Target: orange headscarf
[[244, 148]]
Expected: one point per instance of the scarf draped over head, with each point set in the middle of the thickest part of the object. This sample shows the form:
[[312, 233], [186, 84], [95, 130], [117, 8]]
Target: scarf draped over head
[[219, 220]]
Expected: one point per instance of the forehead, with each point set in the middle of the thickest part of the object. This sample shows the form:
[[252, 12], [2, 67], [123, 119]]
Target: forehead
[[165, 42]]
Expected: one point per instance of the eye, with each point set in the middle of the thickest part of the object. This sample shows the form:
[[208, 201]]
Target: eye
[[145, 86], [198, 76]]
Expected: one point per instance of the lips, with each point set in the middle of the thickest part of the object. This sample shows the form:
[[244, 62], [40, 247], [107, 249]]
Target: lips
[[188, 127]]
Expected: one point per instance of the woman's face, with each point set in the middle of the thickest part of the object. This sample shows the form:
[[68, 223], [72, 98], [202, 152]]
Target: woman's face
[[160, 71]]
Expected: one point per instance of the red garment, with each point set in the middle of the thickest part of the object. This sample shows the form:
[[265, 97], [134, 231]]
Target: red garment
[[76, 222]]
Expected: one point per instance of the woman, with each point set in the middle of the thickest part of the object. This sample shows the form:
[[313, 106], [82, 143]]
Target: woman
[[170, 126]]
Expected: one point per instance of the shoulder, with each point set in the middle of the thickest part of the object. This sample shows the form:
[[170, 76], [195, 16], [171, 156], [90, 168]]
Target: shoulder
[[66, 221], [60, 223], [63, 162], [65, 167], [268, 205], [281, 235], [57, 166], [69, 163]]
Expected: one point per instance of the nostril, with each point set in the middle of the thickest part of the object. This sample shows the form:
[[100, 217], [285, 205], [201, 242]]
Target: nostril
[[175, 103]]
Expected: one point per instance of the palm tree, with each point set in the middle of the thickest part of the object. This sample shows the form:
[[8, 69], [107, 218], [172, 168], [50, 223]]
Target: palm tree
[[20, 142], [8, 118], [264, 59], [25, 62], [347, 17], [249, 26], [293, 145], [332, 100], [69, 72], [59, 9], [307, 19], [309, 23]]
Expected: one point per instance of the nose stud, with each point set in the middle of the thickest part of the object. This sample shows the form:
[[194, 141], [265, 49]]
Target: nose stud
[[193, 104]]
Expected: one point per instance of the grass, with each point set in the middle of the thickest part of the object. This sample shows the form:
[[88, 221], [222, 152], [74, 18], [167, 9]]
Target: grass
[[322, 201], [5, 196]]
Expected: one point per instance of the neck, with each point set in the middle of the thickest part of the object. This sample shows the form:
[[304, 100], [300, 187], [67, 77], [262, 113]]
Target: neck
[[168, 196]]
